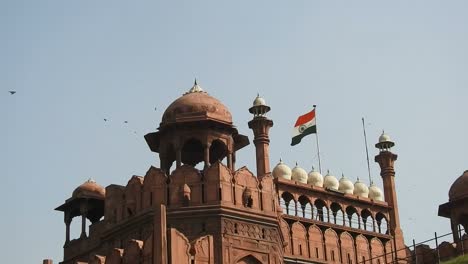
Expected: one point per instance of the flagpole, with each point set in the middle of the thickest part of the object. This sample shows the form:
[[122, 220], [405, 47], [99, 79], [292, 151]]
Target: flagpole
[[316, 136], [367, 151]]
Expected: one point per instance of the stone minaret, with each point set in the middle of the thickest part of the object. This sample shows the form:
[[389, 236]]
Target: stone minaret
[[260, 125], [386, 160]]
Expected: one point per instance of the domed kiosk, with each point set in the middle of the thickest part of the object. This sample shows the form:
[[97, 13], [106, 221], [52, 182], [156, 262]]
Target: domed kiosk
[[87, 201], [456, 208], [195, 128]]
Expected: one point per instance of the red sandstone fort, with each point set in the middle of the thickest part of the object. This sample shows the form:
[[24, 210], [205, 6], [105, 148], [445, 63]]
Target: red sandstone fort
[[225, 214]]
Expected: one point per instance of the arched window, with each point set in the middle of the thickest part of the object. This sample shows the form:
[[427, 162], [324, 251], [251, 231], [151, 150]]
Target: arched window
[[382, 224], [305, 208], [192, 152], [289, 203], [337, 213], [249, 260], [218, 151], [367, 220], [322, 211], [353, 219]]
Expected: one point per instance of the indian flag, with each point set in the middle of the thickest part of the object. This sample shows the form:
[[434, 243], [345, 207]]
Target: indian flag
[[305, 125]]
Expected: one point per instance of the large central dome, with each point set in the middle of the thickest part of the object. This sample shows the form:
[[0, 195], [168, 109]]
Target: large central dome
[[196, 105]]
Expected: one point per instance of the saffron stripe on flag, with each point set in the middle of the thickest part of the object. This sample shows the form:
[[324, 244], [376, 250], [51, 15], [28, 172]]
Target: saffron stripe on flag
[[305, 118]]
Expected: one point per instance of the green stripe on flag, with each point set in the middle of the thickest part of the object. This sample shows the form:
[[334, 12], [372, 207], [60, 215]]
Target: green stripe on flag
[[297, 139]]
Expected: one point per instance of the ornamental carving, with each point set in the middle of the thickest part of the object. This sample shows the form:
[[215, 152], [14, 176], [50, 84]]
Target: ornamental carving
[[250, 230]]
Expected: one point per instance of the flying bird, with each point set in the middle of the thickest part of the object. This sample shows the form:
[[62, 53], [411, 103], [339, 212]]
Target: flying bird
[[12, 92], [126, 122], [105, 119], [155, 108]]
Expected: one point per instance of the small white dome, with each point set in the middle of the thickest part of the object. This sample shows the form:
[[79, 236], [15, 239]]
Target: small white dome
[[259, 101], [345, 185], [282, 171], [315, 178], [375, 193], [361, 189], [384, 138], [330, 182], [299, 174]]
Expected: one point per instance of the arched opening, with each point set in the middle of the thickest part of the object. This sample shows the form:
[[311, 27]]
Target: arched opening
[[304, 203], [249, 260], [322, 211], [353, 219], [218, 151], [289, 203], [382, 223], [337, 211], [367, 220], [192, 152]]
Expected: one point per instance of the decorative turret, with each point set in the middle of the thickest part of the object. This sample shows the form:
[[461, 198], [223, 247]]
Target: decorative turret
[[386, 160], [196, 128], [86, 201], [261, 125]]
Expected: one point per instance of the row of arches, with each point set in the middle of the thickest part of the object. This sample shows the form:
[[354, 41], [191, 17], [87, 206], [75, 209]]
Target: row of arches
[[326, 245], [335, 213]]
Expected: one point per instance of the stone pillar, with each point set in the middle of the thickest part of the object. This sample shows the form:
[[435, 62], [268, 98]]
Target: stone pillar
[[83, 211], [455, 233], [229, 161], [386, 160], [68, 221], [206, 154], [233, 161], [163, 163], [261, 127]]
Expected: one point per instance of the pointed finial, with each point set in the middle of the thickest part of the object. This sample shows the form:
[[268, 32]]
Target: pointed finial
[[328, 172], [91, 180], [342, 175], [281, 160], [296, 163], [313, 168], [195, 88]]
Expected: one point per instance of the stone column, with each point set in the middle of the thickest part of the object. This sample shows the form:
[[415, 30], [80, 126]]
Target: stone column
[[68, 221], [261, 127], [84, 212], [386, 160], [206, 154], [233, 161], [229, 161]]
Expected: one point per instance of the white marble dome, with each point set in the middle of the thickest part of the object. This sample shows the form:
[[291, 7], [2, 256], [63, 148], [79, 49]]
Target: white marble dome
[[282, 171], [259, 101], [361, 189], [315, 178], [345, 185], [299, 174], [384, 138], [375, 193], [330, 182]]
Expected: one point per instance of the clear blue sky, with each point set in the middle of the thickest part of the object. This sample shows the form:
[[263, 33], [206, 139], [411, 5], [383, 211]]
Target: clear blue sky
[[401, 64]]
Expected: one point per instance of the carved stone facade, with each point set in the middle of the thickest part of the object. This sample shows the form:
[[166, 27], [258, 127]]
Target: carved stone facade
[[221, 214]]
